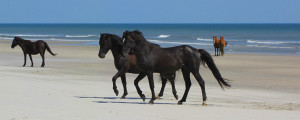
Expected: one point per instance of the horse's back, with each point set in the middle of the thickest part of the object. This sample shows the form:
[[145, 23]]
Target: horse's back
[[222, 41], [217, 41], [37, 47], [173, 58]]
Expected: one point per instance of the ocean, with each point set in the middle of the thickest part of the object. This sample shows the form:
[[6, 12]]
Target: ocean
[[266, 39]]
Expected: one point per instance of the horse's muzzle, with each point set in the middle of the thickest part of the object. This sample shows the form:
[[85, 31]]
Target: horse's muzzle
[[101, 55]]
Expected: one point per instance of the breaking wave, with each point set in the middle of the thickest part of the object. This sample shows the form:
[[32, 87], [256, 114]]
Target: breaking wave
[[163, 36], [179, 43]]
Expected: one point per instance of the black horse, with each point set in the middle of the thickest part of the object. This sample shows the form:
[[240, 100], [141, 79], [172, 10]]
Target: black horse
[[32, 48], [114, 43], [152, 58]]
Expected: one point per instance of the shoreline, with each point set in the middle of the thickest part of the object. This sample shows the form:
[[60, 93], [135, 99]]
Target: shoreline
[[81, 43]]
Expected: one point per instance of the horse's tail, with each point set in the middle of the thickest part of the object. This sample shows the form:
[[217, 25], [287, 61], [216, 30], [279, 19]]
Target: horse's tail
[[206, 58], [49, 50]]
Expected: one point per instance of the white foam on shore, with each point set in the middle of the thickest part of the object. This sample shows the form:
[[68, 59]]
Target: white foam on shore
[[264, 46], [163, 36], [272, 42], [26, 35], [203, 39], [81, 36], [180, 43]]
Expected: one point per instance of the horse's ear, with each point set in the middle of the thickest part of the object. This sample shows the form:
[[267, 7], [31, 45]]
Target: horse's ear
[[138, 32], [126, 31]]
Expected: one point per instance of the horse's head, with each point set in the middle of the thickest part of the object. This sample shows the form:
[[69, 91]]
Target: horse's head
[[221, 37], [105, 44], [132, 39], [15, 42], [214, 38]]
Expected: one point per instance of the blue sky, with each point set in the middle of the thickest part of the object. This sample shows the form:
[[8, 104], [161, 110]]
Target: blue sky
[[150, 11]]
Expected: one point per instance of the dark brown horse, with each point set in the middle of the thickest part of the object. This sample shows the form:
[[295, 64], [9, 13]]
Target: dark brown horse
[[219, 45], [152, 58], [32, 48], [114, 43]]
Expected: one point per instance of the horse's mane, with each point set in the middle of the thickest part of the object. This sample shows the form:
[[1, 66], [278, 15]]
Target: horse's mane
[[114, 36], [143, 40], [18, 38]]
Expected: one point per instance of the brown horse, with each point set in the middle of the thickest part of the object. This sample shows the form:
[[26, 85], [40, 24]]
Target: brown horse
[[219, 45], [32, 48]]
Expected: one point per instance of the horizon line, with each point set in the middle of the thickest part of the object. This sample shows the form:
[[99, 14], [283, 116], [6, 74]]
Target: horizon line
[[143, 23]]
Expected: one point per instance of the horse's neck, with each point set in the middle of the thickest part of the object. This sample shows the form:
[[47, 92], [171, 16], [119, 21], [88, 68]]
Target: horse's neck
[[144, 49], [116, 51], [21, 43]]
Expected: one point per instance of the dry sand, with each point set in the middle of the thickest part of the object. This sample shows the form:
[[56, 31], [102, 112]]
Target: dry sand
[[76, 84]]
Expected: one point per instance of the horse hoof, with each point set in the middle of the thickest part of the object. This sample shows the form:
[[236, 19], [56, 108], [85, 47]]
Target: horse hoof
[[143, 97], [151, 102], [158, 97], [179, 103], [123, 97], [176, 97], [116, 92], [204, 104]]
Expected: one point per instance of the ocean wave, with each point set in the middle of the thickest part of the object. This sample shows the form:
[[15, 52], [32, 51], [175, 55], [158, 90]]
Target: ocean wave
[[6, 38], [180, 43], [67, 40], [50, 39], [272, 42], [202, 39], [80, 36], [26, 35], [163, 36], [264, 46]]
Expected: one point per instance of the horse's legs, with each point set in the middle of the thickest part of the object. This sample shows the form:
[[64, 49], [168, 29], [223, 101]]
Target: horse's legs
[[24, 59], [222, 51], [202, 85], [123, 78], [31, 60], [215, 51], [188, 83], [172, 80], [43, 58], [163, 84], [136, 84], [118, 74], [151, 84]]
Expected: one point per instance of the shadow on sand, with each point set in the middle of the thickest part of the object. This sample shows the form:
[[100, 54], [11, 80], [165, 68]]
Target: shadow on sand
[[121, 101], [110, 98]]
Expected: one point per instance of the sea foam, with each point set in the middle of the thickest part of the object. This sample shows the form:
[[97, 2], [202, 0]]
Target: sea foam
[[163, 36], [202, 39], [179, 43], [80, 36], [265, 42]]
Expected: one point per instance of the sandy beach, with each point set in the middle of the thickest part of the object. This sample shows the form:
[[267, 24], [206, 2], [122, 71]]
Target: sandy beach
[[76, 85]]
